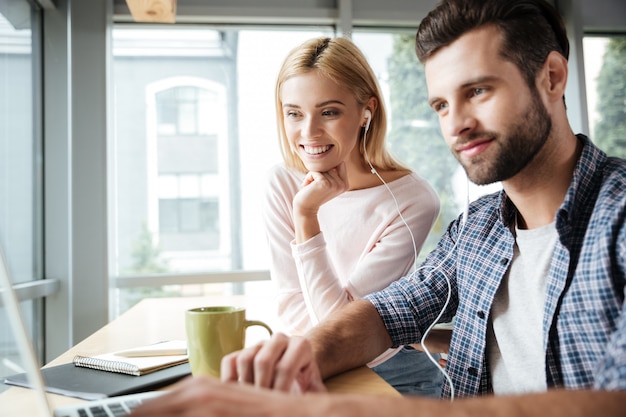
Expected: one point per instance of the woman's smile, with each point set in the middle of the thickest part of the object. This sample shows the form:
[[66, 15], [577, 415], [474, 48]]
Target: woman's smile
[[315, 150]]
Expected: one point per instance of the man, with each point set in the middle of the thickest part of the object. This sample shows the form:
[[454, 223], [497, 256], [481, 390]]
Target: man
[[534, 278]]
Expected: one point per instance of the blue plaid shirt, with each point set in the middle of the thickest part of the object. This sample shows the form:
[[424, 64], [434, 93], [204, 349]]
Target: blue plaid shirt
[[584, 320]]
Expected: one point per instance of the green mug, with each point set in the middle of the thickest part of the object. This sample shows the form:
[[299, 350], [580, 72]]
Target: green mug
[[212, 333]]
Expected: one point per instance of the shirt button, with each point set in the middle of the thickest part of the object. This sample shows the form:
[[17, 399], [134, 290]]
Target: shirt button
[[481, 314], [504, 261], [472, 371]]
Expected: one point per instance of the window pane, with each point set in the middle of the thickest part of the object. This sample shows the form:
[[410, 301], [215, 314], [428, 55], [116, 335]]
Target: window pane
[[605, 61], [224, 141], [20, 176], [195, 135], [168, 215], [414, 136], [11, 359], [18, 145], [190, 215]]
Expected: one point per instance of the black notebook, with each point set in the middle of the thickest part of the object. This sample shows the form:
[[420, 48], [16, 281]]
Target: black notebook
[[91, 384]]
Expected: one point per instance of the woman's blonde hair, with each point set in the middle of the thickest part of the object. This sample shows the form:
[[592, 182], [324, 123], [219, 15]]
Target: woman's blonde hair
[[341, 61]]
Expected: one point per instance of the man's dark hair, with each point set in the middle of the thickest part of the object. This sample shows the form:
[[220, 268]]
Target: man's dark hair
[[531, 29]]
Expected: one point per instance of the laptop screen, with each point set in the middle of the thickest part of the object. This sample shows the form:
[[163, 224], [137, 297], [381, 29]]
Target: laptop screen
[[17, 353]]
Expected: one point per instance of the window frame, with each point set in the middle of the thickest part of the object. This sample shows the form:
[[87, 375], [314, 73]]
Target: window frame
[[75, 90]]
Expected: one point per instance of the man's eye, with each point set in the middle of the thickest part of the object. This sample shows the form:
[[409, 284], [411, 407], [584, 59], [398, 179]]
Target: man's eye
[[438, 107], [478, 91]]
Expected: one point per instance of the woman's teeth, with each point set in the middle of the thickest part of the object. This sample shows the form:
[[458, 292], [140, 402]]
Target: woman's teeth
[[315, 150]]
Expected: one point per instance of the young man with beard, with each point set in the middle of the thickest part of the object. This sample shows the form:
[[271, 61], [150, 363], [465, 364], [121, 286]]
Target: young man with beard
[[534, 278]]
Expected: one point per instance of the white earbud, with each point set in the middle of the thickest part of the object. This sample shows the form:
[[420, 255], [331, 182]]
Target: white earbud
[[368, 120], [368, 116]]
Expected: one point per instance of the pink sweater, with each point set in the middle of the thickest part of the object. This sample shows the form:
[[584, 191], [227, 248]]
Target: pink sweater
[[364, 245]]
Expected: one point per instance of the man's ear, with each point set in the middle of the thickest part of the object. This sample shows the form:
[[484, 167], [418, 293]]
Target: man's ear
[[554, 76]]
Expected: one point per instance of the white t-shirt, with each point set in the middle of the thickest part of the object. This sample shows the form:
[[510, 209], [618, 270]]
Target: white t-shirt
[[363, 247], [516, 346]]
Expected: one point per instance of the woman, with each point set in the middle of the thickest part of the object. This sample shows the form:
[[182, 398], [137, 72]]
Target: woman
[[343, 217]]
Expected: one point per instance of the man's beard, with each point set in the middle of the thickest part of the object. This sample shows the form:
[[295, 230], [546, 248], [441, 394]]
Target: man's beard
[[516, 150]]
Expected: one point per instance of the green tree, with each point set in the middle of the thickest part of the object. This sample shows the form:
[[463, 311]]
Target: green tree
[[146, 255], [147, 259], [415, 137], [610, 131]]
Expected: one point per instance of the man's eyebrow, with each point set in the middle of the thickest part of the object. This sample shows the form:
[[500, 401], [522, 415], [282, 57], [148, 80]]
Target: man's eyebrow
[[468, 84], [480, 80]]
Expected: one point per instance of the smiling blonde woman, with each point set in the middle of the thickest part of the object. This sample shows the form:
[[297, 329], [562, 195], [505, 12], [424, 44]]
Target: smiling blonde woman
[[343, 217]]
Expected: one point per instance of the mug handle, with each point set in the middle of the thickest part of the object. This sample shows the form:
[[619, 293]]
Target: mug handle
[[249, 323]]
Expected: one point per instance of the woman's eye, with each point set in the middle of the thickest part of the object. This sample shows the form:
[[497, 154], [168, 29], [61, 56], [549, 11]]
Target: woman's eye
[[330, 113], [291, 114]]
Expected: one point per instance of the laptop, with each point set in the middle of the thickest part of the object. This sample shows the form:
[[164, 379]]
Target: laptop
[[110, 407]]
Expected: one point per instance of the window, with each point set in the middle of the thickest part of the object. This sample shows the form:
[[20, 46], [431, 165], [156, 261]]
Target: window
[[186, 206], [20, 176], [414, 135], [190, 170], [605, 60], [182, 111], [196, 136]]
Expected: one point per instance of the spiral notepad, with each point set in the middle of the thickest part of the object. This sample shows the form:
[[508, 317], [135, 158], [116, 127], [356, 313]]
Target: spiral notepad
[[131, 365]]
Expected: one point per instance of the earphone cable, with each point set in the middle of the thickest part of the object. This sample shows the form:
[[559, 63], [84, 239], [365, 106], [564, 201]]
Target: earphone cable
[[373, 170], [416, 269]]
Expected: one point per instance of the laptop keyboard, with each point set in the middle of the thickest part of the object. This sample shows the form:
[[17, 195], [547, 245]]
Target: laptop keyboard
[[114, 409], [109, 407], [117, 409]]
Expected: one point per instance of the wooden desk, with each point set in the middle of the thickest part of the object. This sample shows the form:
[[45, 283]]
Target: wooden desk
[[157, 319]]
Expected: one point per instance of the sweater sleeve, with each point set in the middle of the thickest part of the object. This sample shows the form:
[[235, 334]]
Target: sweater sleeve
[[277, 215], [365, 245], [383, 245]]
